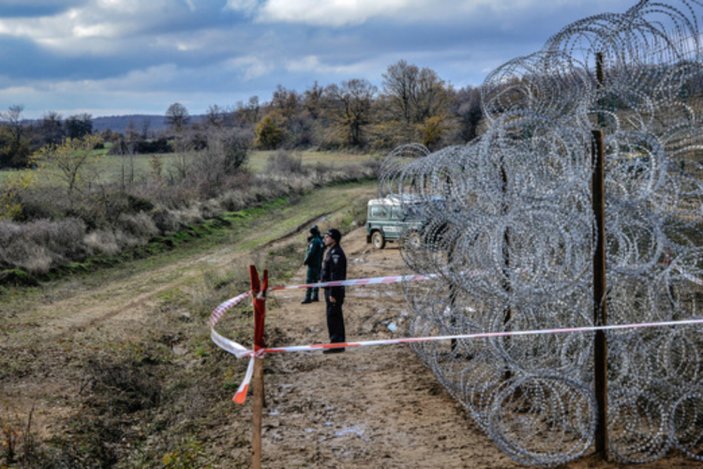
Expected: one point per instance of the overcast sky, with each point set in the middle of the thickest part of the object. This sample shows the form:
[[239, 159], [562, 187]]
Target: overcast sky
[[113, 57]]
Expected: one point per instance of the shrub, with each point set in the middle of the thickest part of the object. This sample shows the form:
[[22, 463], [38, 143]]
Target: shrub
[[38, 203], [233, 146], [40, 245], [25, 253], [8, 231], [283, 162], [233, 200], [210, 209], [139, 225], [12, 188], [139, 204], [63, 237], [186, 455], [101, 242], [165, 220], [160, 145], [269, 132], [188, 216]]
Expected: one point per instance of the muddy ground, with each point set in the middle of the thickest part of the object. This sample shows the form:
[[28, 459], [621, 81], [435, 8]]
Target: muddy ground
[[369, 407]]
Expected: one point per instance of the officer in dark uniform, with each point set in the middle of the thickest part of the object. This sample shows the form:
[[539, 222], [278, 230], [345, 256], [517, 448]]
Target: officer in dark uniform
[[313, 260], [334, 267]]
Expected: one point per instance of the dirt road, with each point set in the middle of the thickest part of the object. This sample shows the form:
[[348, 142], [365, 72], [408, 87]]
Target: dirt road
[[372, 407]]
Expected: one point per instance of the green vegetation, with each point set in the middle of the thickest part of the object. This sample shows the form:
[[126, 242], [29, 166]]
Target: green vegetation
[[110, 168], [309, 159]]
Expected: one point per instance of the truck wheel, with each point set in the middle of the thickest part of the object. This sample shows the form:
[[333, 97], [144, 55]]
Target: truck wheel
[[411, 240], [377, 240]]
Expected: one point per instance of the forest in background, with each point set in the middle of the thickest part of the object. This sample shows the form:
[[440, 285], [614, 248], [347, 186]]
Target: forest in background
[[413, 105]]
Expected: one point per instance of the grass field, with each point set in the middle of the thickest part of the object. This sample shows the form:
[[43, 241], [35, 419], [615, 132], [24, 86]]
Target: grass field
[[258, 159], [111, 168]]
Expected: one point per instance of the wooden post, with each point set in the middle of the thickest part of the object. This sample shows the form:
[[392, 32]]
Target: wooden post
[[600, 316], [258, 293], [508, 313]]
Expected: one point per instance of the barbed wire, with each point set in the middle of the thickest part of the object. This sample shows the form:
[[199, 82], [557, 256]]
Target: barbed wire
[[507, 220]]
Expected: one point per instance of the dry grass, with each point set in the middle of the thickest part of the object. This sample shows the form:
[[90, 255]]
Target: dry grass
[[108, 219]]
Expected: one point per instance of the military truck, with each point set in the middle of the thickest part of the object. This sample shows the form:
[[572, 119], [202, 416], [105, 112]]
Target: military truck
[[390, 219]]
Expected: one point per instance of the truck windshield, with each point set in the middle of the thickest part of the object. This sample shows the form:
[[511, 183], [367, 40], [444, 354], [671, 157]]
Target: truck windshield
[[379, 211]]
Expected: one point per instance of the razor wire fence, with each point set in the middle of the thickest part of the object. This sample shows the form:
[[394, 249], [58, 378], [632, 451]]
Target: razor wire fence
[[513, 207]]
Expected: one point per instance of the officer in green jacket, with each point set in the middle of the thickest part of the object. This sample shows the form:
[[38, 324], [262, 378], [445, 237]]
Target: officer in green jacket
[[313, 260]]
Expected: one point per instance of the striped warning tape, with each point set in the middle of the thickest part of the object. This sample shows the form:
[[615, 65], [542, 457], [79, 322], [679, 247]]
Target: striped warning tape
[[360, 281], [221, 309], [241, 351]]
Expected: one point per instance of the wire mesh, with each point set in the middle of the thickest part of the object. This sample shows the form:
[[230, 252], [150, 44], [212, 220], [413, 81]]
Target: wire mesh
[[507, 220]]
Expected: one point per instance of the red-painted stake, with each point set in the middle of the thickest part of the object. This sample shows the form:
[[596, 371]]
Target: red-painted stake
[[258, 295]]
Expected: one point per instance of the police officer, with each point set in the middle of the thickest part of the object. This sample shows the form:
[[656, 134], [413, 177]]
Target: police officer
[[313, 260], [334, 267]]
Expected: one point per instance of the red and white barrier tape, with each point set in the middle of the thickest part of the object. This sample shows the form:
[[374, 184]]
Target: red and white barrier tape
[[360, 281], [241, 351], [221, 309], [240, 396]]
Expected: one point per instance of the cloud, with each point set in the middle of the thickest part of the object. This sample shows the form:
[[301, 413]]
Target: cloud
[[250, 67], [311, 65], [33, 8], [329, 13], [340, 13], [100, 26], [160, 51], [245, 6]]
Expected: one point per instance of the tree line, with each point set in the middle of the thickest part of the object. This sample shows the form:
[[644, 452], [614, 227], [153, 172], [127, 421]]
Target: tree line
[[413, 105], [19, 139]]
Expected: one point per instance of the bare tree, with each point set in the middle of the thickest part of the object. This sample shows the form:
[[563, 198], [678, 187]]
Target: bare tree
[[215, 116], [400, 83], [286, 102], [313, 101], [352, 102], [177, 116], [72, 158], [14, 146], [414, 94], [51, 128], [13, 118], [467, 107], [431, 97]]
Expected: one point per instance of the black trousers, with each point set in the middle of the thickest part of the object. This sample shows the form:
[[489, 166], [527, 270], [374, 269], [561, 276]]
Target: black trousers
[[313, 276], [335, 318]]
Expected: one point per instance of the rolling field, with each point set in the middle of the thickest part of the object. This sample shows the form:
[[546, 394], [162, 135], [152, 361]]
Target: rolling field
[[111, 168]]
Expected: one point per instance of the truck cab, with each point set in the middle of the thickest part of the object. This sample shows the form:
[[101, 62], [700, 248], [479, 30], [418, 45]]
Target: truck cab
[[389, 219]]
